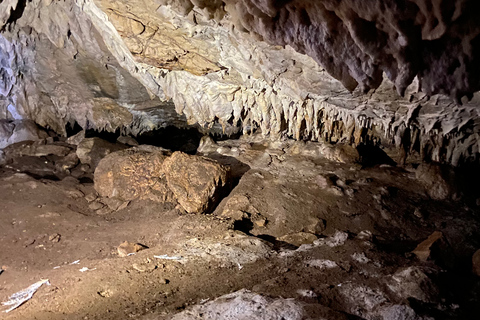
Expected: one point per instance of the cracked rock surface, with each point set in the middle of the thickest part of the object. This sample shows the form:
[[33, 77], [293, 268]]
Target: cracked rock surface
[[230, 66]]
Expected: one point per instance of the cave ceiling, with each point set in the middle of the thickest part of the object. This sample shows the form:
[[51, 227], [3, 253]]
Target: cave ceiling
[[400, 72]]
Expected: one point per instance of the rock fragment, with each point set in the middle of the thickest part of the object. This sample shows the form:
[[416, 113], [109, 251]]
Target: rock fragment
[[437, 179], [91, 150], [196, 181], [126, 248], [422, 251], [299, 238], [77, 138]]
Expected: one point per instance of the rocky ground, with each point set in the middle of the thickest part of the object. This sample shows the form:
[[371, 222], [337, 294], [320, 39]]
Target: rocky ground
[[262, 230]]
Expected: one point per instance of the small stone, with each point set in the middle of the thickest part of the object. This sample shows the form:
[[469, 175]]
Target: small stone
[[418, 213], [103, 211], [317, 226], [127, 140], [260, 222], [144, 267], [476, 263], [422, 251], [322, 181], [96, 205], [299, 238], [91, 197], [77, 138], [28, 242], [365, 235], [127, 248], [336, 191], [123, 205], [115, 204], [75, 194], [105, 293], [54, 237]]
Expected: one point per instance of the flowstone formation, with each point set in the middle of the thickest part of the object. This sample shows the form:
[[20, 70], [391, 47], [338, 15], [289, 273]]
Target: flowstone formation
[[384, 72]]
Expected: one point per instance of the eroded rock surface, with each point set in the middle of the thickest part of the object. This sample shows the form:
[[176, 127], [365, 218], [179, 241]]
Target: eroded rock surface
[[99, 63], [197, 182], [133, 174], [91, 150], [17, 131]]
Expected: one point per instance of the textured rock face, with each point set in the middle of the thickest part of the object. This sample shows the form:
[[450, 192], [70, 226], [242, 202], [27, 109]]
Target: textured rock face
[[17, 131], [249, 65], [197, 182], [133, 173], [91, 150]]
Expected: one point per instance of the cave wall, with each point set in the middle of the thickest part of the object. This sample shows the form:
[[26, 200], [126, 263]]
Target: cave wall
[[331, 70]]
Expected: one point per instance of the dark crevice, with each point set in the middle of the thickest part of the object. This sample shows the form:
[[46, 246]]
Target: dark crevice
[[16, 13]]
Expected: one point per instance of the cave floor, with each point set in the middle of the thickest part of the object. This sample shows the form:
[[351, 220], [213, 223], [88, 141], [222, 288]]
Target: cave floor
[[332, 235]]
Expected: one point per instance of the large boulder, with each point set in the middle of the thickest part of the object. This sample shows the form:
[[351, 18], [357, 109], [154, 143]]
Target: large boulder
[[196, 181], [91, 150], [135, 173], [19, 130], [439, 181]]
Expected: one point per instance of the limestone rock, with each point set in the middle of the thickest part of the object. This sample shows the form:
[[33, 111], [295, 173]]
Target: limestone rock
[[238, 207], [299, 238], [413, 282], [422, 251], [127, 140], [204, 60], [234, 249], [243, 305], [77, 138], [19, 130], [126, 248], [91, 150], [438, 180], [133, 174], [27, 148], [196, 181]]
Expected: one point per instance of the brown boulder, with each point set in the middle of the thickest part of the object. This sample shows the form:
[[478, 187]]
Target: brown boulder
[[437, 179], [135, 173], [196, 181]]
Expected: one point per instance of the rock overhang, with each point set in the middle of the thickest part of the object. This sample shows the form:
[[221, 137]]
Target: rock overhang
[[251, 65]]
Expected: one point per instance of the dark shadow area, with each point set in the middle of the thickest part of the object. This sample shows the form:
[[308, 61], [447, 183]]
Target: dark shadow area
[[468, 175], [105, 135], [277, 244], [15, 14], [370, 156], [72, 129], [172, 138], [245, 225]]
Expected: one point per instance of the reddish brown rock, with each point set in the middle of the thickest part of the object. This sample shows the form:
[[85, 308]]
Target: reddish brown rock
[[136, 173], [197, 182], [422, 251]]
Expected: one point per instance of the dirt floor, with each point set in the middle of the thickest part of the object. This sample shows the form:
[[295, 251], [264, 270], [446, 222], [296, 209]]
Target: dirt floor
[[305, 222]]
